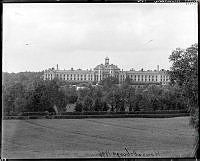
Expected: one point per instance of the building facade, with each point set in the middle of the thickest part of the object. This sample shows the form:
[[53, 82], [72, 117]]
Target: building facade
[[105, 70], [69, 75]]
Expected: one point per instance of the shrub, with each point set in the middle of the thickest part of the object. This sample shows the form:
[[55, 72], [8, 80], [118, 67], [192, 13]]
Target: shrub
[[79, 106]]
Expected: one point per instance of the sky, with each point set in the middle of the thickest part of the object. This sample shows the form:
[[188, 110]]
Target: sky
[[133, 35]]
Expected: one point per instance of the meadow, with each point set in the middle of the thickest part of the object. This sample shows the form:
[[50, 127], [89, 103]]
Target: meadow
[[69, 138]]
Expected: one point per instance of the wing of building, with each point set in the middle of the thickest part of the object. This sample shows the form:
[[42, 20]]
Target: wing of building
[[105, 70]]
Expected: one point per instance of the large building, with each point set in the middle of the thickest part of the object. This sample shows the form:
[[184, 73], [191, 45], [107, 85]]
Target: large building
[[105, 70]]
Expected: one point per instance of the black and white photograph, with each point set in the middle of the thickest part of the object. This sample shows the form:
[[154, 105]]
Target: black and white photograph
[[99, 80]]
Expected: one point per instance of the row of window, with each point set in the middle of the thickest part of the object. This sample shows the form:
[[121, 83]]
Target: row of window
[[148, 76], [81, 79], [70, 76], [122, 79], [73, 75]]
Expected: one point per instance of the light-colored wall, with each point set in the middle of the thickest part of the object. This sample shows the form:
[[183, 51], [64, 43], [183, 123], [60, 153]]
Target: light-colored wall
[[149, 76], [69, 75], [97, 75]]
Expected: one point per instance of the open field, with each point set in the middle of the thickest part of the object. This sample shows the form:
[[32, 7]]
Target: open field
[[43, 138]]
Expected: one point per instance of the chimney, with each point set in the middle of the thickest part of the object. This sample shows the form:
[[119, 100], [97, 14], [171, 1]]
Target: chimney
[[157, 67], [57, 66]]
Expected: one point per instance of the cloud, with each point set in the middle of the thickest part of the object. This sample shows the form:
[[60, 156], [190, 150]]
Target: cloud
[[93, 31]]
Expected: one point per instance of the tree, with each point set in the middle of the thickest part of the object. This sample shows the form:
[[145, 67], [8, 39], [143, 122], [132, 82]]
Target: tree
[[184, 73], [131, 98], [127, 82], [87, 104], [79, 106], [98, 105], [138, 98], [105, 106], [109, 82], [120, 97], [13, 98], [71, 95], [82, 93], [109, 98]]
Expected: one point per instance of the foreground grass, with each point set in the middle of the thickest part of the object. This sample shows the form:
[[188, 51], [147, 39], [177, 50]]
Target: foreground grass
[[170, 137]]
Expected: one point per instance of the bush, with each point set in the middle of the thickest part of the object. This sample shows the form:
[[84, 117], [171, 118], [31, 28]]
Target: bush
[[87, 104], [79, 106]]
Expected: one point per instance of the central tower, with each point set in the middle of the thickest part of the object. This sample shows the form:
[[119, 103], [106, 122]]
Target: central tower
[[106, 61]]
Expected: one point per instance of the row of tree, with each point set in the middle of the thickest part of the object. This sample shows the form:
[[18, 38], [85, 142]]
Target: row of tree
[[40, 96], [127, 98]]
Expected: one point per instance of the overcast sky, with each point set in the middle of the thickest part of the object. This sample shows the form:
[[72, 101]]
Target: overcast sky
[[39, 36]]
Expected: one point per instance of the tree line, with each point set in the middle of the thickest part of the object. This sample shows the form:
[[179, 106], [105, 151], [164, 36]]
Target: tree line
[[28, 92], [36, 95]]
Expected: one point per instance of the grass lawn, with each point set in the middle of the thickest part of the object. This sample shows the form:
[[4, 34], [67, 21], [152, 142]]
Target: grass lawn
[[43, 138]]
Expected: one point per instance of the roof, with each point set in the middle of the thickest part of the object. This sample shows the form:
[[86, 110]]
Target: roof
[[110, 66], [73, 71]]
